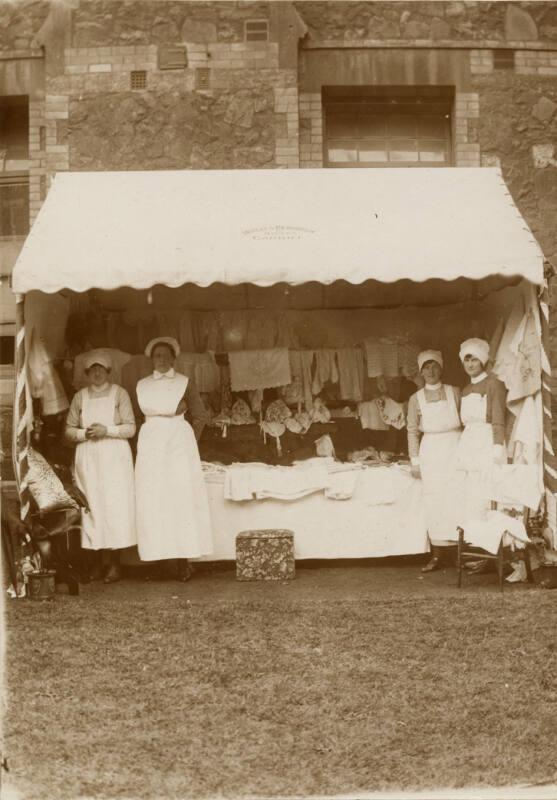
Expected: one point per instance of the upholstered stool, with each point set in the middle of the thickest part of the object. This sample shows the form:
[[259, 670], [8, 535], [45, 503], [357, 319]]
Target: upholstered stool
[[266, 555]]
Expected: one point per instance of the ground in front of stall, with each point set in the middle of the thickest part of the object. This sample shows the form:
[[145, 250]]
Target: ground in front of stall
[[348, 679]]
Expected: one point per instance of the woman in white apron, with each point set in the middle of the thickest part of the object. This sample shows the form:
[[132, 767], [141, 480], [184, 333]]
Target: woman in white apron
[[433, 426], [171, 498], [482, 411], [100, 421]]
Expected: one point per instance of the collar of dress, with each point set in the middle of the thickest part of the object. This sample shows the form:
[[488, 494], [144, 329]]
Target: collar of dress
[[99, 389], [433, 387], [479, 377], [158, 375]]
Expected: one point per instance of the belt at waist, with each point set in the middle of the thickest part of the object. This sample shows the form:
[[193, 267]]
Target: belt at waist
[[448, 430]]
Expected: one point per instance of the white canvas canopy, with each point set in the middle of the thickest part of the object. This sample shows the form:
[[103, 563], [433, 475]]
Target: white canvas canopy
[[453, 233], [110, 229]]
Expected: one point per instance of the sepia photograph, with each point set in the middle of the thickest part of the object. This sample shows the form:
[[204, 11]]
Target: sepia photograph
[[278, 320]]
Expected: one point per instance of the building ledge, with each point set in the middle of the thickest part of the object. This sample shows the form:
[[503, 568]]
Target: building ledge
[[430, 44]]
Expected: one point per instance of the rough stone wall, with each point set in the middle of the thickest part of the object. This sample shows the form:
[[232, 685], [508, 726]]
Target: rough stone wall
[[520, 136], [19, 23], [435, 21], [242, 119], [176, 130], [234, 104], [102, 23]]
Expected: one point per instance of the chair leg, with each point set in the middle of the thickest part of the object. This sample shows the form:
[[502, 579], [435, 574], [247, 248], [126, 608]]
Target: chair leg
[[459, 556], [528, 564], [9, 555], [500, 561]]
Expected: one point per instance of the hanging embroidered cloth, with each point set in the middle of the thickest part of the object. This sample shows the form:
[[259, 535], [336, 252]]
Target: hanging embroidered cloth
[[392, 413], [259, 369]]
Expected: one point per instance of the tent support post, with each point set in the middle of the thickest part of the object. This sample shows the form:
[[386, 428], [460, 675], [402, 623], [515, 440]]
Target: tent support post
[[22, 411], [549, 460]]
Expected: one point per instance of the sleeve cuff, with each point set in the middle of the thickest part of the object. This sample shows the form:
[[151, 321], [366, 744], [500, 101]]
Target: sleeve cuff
[[81, 434], [415, 461], [112, 431]]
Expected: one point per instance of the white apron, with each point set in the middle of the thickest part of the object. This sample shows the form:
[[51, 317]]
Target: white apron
[[171, 498], [474, 457], [104, 473], [441, 433]]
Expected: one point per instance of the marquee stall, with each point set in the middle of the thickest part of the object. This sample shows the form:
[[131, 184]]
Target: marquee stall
[[346, 265]]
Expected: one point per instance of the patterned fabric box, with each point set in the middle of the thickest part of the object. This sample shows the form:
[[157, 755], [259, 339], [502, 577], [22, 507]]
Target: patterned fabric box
[[266, 555]]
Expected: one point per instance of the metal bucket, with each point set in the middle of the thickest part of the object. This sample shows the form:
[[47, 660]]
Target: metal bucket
[[42, 585]]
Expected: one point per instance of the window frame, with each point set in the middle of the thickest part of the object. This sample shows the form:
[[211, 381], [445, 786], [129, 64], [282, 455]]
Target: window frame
[[385, 102], [16, 179]]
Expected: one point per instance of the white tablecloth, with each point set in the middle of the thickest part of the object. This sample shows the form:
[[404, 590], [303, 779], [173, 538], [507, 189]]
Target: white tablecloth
[[324, 528]]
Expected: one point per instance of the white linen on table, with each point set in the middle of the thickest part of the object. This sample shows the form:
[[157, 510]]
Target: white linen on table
[[342, 485], [325, 528], [249, 481]]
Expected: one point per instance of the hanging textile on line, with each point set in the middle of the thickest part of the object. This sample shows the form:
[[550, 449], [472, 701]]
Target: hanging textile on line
[[259, 369]]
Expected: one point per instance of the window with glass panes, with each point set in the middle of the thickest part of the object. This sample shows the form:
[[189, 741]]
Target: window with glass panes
[[14, 166], [14, 205], [388, 128]]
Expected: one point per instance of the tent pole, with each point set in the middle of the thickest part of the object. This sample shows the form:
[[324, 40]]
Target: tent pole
[[549, 460], [22, 411]]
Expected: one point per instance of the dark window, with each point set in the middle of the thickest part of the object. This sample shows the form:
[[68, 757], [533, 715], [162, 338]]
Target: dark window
[[14, 205], [14, 128], [503, 59], [388, 127], [138, 79], [7, 349], [257, 30]]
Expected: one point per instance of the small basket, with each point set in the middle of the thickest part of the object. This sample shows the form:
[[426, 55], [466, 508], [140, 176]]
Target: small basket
[[41, 584]]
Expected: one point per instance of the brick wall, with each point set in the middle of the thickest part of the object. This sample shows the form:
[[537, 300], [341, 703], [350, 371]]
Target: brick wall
[[542, 63], [466, 114], [311, 130], [245, 115]]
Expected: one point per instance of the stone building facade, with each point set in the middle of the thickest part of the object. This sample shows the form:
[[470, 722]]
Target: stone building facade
[[164, 84]]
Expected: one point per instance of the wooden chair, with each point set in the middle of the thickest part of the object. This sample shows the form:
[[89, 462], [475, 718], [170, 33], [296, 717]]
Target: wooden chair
[[468, 553], [61, 526]]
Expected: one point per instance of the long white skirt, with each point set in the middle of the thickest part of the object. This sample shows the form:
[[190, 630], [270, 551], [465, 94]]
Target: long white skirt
[[172, 506], [104, 473], [440, 485], [474, 461]]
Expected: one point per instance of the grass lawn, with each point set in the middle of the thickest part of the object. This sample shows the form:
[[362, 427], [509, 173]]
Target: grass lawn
[[185, 691]]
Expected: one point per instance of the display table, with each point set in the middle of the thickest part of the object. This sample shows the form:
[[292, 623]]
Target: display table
[[359, 527]]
